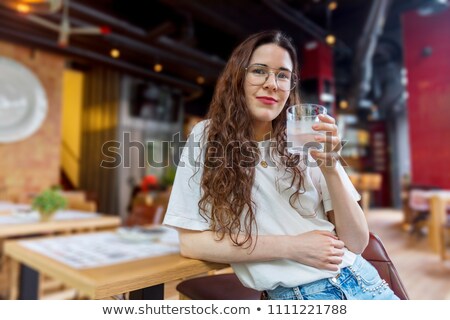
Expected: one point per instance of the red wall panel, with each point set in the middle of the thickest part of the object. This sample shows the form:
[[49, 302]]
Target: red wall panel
[[317, 63], [429, 96]]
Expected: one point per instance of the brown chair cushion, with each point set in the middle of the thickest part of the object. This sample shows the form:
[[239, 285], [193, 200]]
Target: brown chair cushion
[[217, 287]]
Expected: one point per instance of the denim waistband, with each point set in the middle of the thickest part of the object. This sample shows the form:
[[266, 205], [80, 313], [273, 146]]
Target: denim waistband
[[312, 287], [358, 281]]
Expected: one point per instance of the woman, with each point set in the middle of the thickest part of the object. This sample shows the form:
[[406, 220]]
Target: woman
[[289, 228]]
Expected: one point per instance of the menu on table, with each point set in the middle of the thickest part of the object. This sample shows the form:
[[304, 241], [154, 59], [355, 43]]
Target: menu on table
[[107, 248]]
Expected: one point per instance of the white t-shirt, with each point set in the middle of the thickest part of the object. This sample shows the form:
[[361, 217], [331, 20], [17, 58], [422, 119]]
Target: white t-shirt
[[274, 214]]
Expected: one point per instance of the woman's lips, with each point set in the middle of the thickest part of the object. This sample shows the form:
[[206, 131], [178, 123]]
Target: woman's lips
[[266, 100]]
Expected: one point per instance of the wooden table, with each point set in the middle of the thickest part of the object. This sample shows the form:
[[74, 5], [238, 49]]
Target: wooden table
[[144, 278], [58, 226], [7, 231]]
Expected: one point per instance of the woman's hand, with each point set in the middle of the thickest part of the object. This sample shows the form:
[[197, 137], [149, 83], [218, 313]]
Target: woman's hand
[[327, 158], [318, 249]]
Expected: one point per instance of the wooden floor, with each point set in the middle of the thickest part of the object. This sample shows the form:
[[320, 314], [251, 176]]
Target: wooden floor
[[422, 272]]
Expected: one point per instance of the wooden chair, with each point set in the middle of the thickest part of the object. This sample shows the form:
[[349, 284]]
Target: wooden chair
[[148, 209], [77, 200], [228, 286], [74, 195], [142, 214], [88, 206], [368, 182], [439, 223]]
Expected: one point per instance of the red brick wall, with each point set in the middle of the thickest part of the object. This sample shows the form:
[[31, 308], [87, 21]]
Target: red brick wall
[[30, 165]]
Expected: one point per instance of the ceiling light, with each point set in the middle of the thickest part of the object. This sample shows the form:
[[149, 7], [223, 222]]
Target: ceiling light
[[343, 104], [332, 5], [330, 39], [23, 8], [158, 67], [200, 80], [115, 53]]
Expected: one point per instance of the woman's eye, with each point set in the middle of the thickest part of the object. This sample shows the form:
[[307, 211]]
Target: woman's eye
[[284, 76], [259, 71]]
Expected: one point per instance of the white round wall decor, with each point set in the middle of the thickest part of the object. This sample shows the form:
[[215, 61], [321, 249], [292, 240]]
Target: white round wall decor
[[23, 102]]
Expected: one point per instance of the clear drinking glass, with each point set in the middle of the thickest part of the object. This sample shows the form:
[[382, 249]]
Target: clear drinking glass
[[300, 134]]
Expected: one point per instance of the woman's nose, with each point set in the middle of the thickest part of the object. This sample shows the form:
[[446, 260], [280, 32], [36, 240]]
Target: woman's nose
[[271, 82]]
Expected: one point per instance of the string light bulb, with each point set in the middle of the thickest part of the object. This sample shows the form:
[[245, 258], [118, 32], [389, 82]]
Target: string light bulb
[[115, 53], [332, 5], [343, 104], [158, 67], [330, 39], [200, 80]]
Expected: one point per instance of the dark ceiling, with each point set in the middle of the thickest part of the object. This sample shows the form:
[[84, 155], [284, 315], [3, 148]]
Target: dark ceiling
[[194, 38]]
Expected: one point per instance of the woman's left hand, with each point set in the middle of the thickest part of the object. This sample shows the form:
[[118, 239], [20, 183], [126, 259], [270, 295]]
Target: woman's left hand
[[328, 157]]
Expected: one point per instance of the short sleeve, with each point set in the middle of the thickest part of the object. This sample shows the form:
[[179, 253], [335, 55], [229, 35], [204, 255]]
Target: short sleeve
[[326, 198], [182, 210]]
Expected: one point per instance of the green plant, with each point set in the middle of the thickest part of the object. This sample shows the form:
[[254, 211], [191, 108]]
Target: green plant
[[49, 201]]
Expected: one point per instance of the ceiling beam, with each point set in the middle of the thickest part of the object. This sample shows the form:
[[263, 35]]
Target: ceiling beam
[[16, 36], [106, 19], [167, 43], [209, 17], [300, 20]]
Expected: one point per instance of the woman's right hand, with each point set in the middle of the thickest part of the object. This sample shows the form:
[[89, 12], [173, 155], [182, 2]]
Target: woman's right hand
[[318, 249]]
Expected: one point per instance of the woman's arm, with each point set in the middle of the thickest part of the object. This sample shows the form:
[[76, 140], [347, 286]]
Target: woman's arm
[[347, 216], [319, 249], [349, 219]]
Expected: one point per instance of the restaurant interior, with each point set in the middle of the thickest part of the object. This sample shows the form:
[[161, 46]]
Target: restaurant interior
[[98, 97]]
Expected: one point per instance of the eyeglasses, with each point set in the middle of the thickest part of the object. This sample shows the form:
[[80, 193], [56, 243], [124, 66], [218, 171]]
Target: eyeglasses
[[257, 75]]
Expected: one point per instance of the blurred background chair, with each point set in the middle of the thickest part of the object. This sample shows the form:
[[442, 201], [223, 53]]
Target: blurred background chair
[[142, 214], [148, 207], [417, 207], [440, 222], [228, 286], [367, 183], [78, 200]]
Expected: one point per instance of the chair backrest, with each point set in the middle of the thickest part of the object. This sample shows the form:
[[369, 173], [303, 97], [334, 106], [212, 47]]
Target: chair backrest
[[376, 254], [142, 214], [370, 181]]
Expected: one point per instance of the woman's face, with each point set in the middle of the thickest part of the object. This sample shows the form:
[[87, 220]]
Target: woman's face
[[266, 101]]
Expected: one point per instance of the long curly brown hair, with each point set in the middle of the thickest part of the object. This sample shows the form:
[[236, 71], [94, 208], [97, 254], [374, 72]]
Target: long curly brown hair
[[228, 176]]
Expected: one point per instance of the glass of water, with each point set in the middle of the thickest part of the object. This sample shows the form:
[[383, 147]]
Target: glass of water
[[300, 134]]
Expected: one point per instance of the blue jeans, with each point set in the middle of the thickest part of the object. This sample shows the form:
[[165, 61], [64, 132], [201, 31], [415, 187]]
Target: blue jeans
[[360, 281]]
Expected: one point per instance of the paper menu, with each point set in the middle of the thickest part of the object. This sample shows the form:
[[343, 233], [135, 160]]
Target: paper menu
[[100, 249]]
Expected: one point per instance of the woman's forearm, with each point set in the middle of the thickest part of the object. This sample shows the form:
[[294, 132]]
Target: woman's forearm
[[205, 246], [318, 249], [349, 219]]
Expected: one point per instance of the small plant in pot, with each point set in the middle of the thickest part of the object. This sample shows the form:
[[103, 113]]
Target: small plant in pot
[[48, 202]]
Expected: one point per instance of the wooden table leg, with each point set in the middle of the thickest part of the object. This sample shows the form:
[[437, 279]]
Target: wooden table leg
[[150, 293], [437, 212], [13, 279]]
